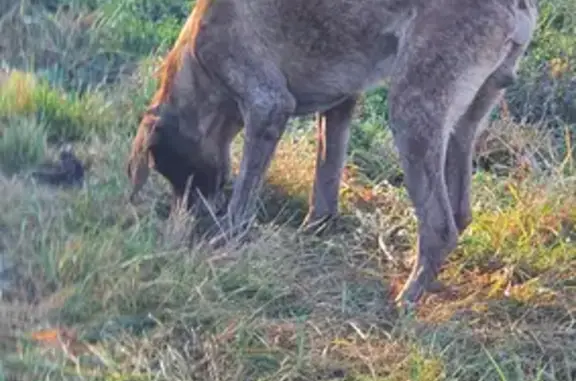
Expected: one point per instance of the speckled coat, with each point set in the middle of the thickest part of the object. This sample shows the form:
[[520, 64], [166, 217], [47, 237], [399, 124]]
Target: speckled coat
[[256, 63]]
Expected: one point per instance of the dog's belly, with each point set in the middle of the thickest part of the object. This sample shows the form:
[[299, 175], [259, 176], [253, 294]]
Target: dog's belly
[[323, 89]]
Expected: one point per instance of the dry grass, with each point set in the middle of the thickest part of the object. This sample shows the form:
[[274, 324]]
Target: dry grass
[[283, 306], [101, 290]]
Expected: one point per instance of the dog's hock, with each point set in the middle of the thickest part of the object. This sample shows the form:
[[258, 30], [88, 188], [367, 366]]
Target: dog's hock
[[524, 28]]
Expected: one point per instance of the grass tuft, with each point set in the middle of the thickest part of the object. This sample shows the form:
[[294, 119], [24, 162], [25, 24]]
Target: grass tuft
[[23, 144], [65, 116]]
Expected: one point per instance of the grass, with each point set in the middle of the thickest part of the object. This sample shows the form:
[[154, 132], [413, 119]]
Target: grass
[[101, 290], [23, 144], [68, 116]]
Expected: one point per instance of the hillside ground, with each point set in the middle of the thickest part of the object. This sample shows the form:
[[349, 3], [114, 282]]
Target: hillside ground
[[93, 288]]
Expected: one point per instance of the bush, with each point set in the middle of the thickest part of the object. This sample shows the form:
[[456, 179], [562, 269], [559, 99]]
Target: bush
[[141, 26]]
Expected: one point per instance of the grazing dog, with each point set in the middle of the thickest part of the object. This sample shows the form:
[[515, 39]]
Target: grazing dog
[[256, 63]]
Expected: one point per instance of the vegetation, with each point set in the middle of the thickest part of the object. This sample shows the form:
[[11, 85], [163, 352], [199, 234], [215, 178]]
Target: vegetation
[[92, 288]]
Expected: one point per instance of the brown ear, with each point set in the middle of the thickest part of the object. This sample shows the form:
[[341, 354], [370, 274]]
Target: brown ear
[[140, 160], [139, 171]]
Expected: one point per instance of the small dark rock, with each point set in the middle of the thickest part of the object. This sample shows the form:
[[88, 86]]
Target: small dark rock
[[68, 171]]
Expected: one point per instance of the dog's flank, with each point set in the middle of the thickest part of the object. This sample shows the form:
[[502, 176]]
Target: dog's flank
[[256, 63]]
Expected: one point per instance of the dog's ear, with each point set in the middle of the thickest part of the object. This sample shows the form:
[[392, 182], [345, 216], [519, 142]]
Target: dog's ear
[[141, 161]]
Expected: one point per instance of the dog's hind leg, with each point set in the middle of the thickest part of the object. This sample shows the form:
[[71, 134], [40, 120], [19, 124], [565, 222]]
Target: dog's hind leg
[[333, 128]]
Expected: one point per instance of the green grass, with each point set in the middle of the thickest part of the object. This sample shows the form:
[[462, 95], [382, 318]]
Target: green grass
[[66, 116], [133, 302], [23, 144]]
